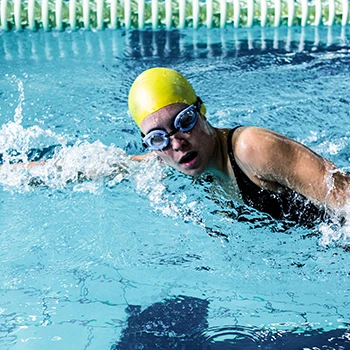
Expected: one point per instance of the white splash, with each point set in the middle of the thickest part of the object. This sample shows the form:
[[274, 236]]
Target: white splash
[[336, 232], [69, 164], [335, 235], [151, 179], [83, 161]]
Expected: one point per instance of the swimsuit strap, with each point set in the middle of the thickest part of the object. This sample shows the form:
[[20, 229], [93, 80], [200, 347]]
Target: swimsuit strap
[[249, 190], [235, 167], [252, 194]]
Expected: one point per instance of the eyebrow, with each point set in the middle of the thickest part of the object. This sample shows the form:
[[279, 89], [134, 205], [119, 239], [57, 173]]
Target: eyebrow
[[164, 129], [153, 129]]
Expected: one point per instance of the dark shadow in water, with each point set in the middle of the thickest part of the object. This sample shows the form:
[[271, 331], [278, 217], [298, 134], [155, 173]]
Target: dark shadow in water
[[181, 323], [170, 324]]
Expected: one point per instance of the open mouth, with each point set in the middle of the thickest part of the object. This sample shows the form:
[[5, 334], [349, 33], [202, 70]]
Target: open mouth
[[188, 158]]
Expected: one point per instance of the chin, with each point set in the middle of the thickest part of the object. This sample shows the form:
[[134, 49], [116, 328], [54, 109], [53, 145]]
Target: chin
[[192, 172]]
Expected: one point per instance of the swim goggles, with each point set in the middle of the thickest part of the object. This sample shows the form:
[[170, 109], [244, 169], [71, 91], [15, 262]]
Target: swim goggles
[[185, 121]]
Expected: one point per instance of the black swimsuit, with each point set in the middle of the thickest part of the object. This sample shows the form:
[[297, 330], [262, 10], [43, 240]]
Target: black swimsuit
[[287, 205]]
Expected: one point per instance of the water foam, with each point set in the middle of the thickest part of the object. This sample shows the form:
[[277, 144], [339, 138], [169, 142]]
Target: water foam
[[337, 233], [69, 163]]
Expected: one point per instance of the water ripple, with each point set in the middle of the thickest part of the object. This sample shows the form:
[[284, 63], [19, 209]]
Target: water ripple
[[232, 335]]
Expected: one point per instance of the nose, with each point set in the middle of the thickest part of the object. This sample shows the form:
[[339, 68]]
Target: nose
[[178, 142]]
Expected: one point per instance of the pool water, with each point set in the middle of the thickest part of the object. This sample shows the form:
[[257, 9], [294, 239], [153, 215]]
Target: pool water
[[138, 255]]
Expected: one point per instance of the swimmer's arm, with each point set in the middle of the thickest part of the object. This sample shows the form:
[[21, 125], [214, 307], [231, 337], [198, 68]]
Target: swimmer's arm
[[26, 165], [84, 175], [270, 159], [141, 157]]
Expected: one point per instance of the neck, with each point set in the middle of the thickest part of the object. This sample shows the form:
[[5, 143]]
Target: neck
[[219, 163]]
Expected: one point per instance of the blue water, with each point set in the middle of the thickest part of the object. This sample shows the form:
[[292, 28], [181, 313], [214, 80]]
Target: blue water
[[144, 255]]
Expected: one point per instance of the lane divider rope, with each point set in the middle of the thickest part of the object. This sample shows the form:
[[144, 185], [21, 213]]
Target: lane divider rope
[[140, 14]]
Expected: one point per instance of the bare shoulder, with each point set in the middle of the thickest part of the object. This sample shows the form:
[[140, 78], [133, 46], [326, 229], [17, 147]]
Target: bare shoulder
[[248, 134], [252, 142]]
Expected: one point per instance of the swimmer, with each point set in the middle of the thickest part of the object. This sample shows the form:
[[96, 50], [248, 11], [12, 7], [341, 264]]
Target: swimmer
[[268, 171], [272, 173]]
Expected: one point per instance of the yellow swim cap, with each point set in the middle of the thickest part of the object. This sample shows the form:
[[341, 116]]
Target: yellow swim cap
[[156, 88]]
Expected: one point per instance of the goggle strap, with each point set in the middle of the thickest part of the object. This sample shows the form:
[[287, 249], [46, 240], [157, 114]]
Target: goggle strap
[[198, 104]]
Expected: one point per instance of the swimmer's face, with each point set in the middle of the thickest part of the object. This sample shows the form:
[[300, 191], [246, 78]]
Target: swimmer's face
[[189, 152]]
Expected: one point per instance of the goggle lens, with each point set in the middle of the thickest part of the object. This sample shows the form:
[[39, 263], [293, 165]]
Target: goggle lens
[[185, 121], [157, 140]]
